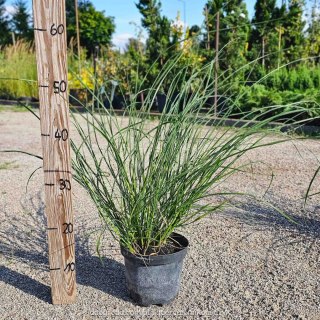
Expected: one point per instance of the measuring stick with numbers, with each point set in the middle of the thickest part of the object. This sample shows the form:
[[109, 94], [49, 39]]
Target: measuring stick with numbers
[[51, 51]]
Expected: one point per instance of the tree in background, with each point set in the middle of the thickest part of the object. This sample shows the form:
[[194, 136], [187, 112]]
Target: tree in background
[[264, 41], [211, 9], [235, 29], [20, 21], [159, 45], [279, 15], [71, 20], [313, 33], [135, 50], [186, 45], [233, 35], [194, 31], [294, 40], [136, 60], [70, 13], [4, 25], [95, 27], [177, 32]]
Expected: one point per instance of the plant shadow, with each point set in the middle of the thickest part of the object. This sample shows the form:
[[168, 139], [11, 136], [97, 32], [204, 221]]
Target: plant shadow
[[262, 217], [106, 275], [24, 240]]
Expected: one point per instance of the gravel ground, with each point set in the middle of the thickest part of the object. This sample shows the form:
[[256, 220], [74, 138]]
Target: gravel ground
[[247, 262]]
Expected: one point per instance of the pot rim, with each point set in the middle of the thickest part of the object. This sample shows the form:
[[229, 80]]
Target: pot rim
[[159, 259]]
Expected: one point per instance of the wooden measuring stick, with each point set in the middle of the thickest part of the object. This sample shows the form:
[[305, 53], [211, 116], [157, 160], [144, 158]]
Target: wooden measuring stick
[[51, 51]]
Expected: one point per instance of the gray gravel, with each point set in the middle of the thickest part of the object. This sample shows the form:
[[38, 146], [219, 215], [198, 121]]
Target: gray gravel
[[246, 262]]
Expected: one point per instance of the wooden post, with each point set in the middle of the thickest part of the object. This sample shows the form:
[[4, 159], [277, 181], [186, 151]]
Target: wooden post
[[13, 38], [279, 45], [51, 51], [216, 64], [263, 51], [78, 33], [208, 28]]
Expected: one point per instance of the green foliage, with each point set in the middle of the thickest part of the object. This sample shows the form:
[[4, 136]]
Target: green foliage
[[258, 97], [95, 27], [18, 71], [234, 36], [8, 165], [279, 28], [293, 37], [136, 58], [267, 24], [300, 79], [313, 33], [21, 21], [287, 88], [71, 18], [147, 178], [234, 32], [5, 36], [161, 45]]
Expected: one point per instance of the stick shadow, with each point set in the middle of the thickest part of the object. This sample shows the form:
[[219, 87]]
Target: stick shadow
[[25, 284], [31, 248]]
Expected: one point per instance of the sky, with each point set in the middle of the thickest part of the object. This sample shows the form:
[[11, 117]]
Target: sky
[[127, 16], [125, 12]]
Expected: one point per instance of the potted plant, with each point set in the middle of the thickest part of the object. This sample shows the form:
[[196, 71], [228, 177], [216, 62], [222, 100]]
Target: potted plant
[[149, 178]]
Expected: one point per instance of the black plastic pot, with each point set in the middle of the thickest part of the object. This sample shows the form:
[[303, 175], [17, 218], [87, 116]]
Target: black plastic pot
[[155, 279], [160, 102], [118, 102], [172, 101], [79, 96]]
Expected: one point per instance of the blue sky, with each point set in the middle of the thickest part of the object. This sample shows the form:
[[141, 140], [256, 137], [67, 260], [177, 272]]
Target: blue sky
[[125, 12]]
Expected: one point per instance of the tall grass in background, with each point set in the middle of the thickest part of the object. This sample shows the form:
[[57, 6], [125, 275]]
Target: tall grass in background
[[18, 73], [288, 85]]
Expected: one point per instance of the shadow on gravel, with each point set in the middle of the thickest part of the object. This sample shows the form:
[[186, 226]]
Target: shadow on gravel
[[262, 217], [23, 239], [25, 284], [108, 278]]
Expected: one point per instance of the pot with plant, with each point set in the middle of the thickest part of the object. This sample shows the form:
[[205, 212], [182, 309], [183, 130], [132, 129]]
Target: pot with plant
[[150, 178]]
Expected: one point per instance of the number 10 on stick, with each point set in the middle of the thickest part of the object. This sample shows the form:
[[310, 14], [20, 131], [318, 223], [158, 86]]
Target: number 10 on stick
[[51, 52]]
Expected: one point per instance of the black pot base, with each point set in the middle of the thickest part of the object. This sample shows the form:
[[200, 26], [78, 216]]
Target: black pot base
[[155, 280]]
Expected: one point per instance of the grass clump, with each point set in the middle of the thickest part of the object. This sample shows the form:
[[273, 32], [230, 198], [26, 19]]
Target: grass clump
[[148, 178], [8, 165], [17, 62]]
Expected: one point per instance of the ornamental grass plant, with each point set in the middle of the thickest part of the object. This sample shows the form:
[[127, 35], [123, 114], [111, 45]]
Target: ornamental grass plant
[[149, 176], [18, 71]]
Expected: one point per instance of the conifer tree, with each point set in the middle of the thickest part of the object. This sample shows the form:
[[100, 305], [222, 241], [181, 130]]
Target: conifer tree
[[294, 39], [233, 35], [313, 33], [4, 25], [264, 36], [159, 30], [21, 20]]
